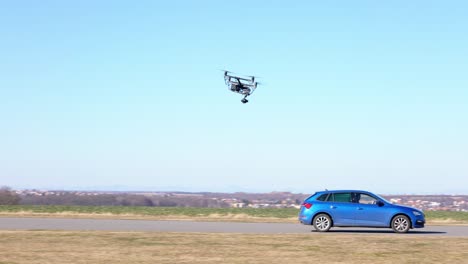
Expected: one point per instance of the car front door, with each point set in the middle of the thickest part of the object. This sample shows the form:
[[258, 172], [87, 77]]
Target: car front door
[[342, 210], [368, 212]]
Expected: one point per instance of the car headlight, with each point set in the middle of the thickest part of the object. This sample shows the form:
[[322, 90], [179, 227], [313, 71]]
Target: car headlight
[[416, 213]]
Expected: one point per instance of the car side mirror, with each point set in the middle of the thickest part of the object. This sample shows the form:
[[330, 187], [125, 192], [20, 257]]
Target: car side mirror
[[380, 203]]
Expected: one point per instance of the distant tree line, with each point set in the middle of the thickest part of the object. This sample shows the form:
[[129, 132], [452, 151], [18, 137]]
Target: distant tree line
[[121, 200], [8, 197], [179, 199]]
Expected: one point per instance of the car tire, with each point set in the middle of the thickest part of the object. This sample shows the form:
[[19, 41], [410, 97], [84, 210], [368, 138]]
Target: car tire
[[401, 224], [322, 222]]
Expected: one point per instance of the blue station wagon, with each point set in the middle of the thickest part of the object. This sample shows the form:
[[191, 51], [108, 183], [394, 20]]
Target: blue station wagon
[[353, 208]]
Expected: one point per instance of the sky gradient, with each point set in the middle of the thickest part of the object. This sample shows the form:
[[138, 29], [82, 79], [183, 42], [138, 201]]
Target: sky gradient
[[120, 95]]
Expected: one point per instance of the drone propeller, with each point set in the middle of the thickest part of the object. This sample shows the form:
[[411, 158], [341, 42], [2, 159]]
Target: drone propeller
[[253, 78], [225, 71]]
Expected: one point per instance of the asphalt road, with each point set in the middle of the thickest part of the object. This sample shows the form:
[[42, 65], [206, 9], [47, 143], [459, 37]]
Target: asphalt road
[[8, 223]]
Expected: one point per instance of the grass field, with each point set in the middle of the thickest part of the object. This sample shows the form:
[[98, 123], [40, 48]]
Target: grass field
[[190, 213], [156, 213], [135, 247]]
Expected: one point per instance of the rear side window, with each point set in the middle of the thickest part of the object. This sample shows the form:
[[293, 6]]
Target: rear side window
[[310, 197], [340, 197], [322, 197]]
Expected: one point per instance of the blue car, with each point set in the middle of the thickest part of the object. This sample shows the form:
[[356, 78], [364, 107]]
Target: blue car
[[353, 208]]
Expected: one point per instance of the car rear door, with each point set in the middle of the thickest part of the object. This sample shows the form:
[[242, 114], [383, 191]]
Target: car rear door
[[341, 208]]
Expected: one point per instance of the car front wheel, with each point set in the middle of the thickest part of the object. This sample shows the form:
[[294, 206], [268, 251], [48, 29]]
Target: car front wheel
[[401, 224], [322, 222]]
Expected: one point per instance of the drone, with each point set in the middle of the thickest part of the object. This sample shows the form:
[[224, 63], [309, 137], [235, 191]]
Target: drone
[[240, 85]]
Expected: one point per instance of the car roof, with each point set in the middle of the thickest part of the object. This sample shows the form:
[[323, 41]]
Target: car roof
[[337, 191]]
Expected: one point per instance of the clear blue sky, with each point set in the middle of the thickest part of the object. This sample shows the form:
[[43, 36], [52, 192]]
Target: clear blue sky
[[358, 94]]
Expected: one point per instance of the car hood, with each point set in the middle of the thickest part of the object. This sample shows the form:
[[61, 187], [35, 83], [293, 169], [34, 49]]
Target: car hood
[[407, 207]]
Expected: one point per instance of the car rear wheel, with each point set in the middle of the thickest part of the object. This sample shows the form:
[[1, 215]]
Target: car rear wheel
[[401, 224], [322, 222]]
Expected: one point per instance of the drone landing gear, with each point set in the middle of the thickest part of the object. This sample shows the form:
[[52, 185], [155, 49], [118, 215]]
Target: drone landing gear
[[244, 101]]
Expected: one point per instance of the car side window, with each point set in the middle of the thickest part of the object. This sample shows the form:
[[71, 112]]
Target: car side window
[[363, 198], [339, 197], [322, 197]]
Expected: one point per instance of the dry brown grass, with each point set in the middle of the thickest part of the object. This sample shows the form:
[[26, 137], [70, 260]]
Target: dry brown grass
[[446, 222], [135, 247]]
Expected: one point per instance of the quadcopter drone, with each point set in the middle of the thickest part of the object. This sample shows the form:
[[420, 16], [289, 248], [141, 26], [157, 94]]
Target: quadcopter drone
[[240, 85]]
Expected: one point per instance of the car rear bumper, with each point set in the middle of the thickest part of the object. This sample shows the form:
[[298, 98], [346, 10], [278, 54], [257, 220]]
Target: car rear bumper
[[304, 219]]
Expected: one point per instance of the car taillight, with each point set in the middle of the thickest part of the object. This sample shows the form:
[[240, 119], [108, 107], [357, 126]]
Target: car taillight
[[307, 205]]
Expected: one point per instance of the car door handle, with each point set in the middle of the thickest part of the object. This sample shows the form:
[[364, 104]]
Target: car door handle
[[332, 207], [360, 208]]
